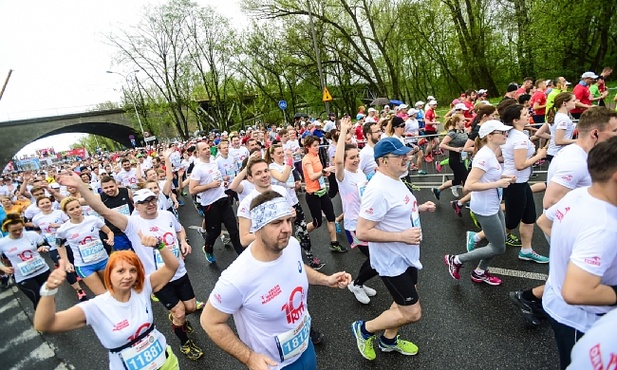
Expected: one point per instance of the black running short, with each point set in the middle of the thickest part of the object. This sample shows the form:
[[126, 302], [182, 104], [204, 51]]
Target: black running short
[[402, 288], [176, 291]]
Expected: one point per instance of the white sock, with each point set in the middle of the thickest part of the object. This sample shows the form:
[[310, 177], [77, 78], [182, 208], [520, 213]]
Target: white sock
[[457, 260], [526, 250], [479, 271], [476, 238]]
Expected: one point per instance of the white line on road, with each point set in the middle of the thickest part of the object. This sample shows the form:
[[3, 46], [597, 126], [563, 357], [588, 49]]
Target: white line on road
[[518, 273]]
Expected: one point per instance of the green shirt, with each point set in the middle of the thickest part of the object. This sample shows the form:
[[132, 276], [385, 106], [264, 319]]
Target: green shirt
[[550, 98], [595, 92]]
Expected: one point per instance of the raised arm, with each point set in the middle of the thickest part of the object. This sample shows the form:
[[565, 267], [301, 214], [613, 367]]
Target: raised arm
[[339, 155], [94, 200]]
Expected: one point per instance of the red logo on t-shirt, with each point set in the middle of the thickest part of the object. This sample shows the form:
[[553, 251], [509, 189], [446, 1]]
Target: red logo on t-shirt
[[369, 211], [272, 293], [595, 261], [295, 307], [407, 199], [567, 178], [154, 228], [121, 325], [482, 163], [218, 298]]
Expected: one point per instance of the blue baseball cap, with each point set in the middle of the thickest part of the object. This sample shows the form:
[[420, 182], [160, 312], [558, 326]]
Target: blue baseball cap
[[390, 145]]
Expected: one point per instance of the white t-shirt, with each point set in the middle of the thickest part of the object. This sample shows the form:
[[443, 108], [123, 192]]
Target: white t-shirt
[[127, 178], [238, 155], [486, 202], [84, 240], [33, 210], [205, 173], [516, 140], [118, 323], [394, 210], [412, 127], [294, 147], [584, 233], [23, 255], [165, 227], [265, 304], [228, 167], [43, 221], [244, 209], [351, 189], [569, 168], [289, 185], [597, 349], [562, 122], [247, 188], [367, 160]]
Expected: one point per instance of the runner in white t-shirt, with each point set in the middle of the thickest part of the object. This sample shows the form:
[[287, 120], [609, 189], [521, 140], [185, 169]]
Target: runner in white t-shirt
[[122, 318], [352, 183], [598, 347], [270, 311], [567, 171], [81, 234], [372, 132], [22, 248], [48, 222], [390, 222], [582, 279], [560, 124], [207, 180], [177, 295], [486, 183], [518, 159]]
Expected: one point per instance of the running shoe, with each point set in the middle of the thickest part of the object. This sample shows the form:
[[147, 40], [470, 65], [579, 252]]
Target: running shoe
[[209, 256], [365, 345], [82, 295], [453, 267], [428, 158], [513, 241], [154, 298], [533, 256], [468, 205], [486, 277], [436, 193], [369, 291], [317, 337], [454, 190], [5, 282], [191, 350], [360, 294], [225, 238], [180, 203], [315, 263], [184, 193], [438, 152], [403, 347], [438, 166], [422, 172], [475, 220], [413, 167], [525, 308], [457, 209], [199, 305], [337, 247], [471, 242], [337, 225]]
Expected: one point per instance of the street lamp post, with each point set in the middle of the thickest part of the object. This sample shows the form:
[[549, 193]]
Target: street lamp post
[[126, 79]]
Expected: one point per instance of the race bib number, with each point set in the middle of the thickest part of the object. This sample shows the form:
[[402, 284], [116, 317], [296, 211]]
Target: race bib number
[[51, 240], [293, 342], [92, 251], [322, 182], [158, 260], [124, 209], [31, 266], [147, 354]]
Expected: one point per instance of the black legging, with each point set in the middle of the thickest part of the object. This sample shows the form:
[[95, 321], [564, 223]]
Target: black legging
[[215, 214], [458, 168], [301, 229], [366, 271], [317, 204], [31, 287]]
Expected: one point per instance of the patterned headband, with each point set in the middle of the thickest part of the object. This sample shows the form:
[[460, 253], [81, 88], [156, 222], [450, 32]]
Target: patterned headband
[[269, 211]]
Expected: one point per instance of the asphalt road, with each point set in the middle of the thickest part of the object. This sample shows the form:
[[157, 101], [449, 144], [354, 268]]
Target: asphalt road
[[464, 325]]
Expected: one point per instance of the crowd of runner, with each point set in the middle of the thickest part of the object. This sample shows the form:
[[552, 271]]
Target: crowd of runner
[[111, 223]]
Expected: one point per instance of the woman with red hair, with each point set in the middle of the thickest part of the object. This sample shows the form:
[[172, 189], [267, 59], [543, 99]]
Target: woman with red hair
[[122, 317]]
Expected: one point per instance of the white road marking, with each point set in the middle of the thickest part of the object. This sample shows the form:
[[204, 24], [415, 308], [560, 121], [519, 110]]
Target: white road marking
[[518, 273]]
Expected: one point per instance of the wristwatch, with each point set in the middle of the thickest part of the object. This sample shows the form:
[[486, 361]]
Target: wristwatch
[[44, 292]]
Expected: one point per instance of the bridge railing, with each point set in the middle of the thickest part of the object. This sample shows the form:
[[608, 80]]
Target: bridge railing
[[51, 112]]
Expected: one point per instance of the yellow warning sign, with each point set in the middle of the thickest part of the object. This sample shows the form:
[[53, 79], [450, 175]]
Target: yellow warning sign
[[326, 95]]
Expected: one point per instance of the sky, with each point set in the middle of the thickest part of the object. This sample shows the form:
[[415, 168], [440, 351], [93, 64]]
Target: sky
[[59, 56]]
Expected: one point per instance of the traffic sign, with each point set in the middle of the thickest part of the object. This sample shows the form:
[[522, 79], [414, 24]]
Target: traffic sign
[[326, 95], [282, 104], [149, 138]]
